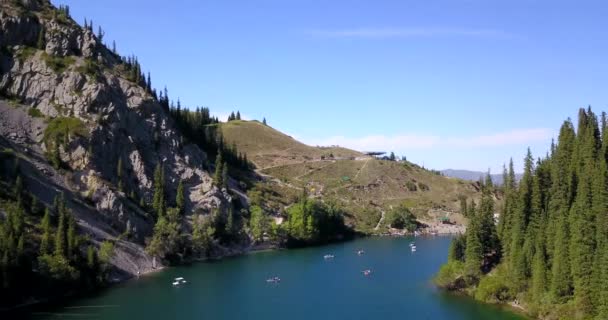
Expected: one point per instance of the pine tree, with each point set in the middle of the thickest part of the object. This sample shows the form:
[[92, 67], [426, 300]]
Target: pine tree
[[91, 258], [600, 209], [539, 278], [246, 162], [149, 83], [582, 244], [474, 251], [119, 175], [40, 43], [180, 198], [264, 121], [219, 168], [518, 259], [229, 227], [225, 175], [72, 238], [45, 240], [561, 280], [463, 206], [457, 249], [18, 190], [60, 235], [238, 115], [486, 228], [159, 191], [582, 218], [100, 34]]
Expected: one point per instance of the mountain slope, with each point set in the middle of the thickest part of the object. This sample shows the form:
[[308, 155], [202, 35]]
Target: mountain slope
[[82, 123], [362, 184], [267, 147]]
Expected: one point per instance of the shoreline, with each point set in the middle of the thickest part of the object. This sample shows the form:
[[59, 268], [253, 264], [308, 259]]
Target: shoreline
[[228, 253], [512, 306]]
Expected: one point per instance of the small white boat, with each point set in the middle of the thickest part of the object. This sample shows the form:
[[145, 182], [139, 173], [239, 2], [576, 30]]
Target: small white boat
[[367, 272], [328, 256], [179, 279], [176, 283], [413, 248], [412, 244], [273, 280], [184, 282], [360, 252]]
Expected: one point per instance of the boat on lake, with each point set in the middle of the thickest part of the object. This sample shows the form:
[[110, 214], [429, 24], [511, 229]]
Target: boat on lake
[[178, 281], [360, 252], [367, 272], [328, 256], [273, 280]]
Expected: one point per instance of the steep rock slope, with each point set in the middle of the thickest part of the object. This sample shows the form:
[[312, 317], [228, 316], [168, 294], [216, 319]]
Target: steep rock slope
[[59, 82]]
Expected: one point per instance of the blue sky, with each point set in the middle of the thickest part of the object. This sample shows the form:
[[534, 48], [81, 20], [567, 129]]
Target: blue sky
[[449, 84]]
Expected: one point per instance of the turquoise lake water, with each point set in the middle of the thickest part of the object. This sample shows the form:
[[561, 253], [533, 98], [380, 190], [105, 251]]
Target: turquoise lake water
[[311, 288]]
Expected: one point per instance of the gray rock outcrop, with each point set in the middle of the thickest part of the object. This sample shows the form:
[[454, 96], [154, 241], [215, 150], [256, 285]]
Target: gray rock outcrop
[[74, 76]]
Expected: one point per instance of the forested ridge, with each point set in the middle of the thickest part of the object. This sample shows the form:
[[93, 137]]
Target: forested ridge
[[548, 251]]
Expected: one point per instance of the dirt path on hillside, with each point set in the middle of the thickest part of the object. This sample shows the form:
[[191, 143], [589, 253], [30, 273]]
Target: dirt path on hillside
[[362, 167], [313, 170], [380, 221]]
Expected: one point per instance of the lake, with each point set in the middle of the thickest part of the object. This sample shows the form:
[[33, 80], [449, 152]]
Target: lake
[[311, 287]]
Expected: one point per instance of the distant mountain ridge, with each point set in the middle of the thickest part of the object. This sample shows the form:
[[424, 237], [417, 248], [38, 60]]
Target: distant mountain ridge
[[475, 175]]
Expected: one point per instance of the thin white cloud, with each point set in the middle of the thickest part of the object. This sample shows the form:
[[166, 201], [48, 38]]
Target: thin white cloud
[[405, 32], [415, 141], [380, 142], [514, 137]]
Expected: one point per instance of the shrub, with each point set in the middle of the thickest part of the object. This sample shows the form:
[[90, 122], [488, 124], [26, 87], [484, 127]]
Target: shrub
[[57, 267], [90, 68], [57, 63], [34, 112], [25, 53], [411, 186], [367, 218], [62, 127], [402, 218], [493, 288], [423, 187], [449, 275], [106, 251]]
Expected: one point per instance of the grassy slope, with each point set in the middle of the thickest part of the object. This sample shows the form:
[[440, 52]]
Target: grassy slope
[[360, 185], [267, 147]]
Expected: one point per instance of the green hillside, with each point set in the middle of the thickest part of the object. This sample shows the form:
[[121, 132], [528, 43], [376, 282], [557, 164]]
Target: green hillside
[[363, 185], [267, 147]]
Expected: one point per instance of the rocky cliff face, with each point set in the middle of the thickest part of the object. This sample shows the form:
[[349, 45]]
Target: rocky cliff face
[[62, 70]]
